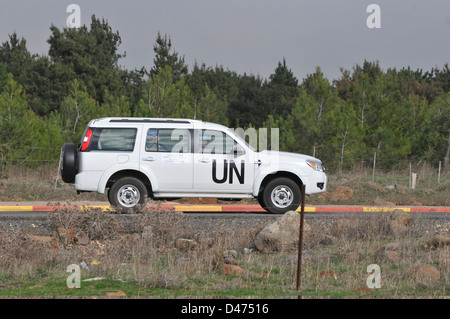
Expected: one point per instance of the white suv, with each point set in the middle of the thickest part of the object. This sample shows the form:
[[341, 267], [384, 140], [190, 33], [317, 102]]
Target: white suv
[[173, 158]]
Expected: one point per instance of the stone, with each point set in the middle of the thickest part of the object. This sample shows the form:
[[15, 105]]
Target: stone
[[67, 234], [436, 242], [230, 261], [185, 244], [230, 254], [327, 240], [341, 193], [400, 221], [427, 275], [283, 234], [388, 252], [82, 238], [232, 270]]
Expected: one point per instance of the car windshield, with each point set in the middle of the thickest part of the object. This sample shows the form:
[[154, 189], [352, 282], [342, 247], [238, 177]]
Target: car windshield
[[243, 141]]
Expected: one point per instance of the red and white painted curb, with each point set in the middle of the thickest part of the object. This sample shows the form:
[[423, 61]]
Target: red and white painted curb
[[225, 208]]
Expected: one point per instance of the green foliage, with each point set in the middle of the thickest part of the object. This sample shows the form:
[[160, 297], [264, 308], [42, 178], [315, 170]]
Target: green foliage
[[164, 57], [24, 136], [91, 54], [165, 98], [402, 115]]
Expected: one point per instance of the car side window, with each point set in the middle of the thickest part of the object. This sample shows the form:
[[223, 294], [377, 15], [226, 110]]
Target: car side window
[[215, 142], [168, 140]]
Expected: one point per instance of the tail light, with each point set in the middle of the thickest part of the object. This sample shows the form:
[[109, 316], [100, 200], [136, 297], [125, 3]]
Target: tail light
[[86, 139]]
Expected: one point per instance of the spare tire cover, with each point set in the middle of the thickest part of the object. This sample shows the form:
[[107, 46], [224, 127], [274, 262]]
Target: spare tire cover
[[69, 165]]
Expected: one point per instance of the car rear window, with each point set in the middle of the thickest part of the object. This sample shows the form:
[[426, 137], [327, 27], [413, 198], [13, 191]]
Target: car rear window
[[113, 139]]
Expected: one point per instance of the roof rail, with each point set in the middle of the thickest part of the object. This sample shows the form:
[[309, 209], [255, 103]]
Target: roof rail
[[130, 120]]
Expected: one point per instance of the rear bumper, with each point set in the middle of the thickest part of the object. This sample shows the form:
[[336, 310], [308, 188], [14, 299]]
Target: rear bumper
[[87, 181]]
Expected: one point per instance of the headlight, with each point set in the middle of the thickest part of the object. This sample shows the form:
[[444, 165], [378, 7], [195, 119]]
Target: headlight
[[316, 166]]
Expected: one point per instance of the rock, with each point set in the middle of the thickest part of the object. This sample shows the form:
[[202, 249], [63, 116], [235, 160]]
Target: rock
[[82, 238], [327, 240], [232, 270], [69, 235], [436, 242], [230, 261], [427, 275], [185, 244], [230, 254], [283, 234], [341, 193], [399, 221], [388, 252]]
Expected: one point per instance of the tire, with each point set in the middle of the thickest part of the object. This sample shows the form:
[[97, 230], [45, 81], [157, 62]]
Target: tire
[[281, 195], [127, 194], [261, 199], [69, 165]]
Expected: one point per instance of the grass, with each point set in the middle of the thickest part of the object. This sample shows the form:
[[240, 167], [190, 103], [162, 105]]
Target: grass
[[139, 263], [153, 265]]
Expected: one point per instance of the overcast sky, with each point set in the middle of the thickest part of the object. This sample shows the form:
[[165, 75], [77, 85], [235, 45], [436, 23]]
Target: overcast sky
[[252, 36]]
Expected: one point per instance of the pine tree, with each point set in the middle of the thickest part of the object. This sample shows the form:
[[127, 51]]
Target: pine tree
[[164, 57]]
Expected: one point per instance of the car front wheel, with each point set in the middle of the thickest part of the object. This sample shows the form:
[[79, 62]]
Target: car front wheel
[[281, 195]]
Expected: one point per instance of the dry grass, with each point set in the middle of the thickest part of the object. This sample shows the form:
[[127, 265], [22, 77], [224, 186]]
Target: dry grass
[[142, 251]]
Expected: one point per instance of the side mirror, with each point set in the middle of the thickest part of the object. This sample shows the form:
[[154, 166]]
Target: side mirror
[[238, 150]]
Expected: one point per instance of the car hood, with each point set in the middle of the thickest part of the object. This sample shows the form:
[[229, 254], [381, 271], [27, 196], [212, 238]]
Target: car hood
[[286, 157]]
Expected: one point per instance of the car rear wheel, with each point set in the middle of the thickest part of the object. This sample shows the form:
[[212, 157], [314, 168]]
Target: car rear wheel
[[127, 194], [69, 165], [281, 195]]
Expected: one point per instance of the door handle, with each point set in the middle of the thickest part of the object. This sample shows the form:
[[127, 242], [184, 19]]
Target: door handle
[[148, 159], [204, 160]]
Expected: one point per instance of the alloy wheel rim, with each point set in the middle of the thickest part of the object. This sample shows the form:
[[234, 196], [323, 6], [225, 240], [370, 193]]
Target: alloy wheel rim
[[128, 195], [282, 196]]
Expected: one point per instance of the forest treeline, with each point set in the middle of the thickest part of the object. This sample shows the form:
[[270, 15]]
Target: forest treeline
[[47, 100]]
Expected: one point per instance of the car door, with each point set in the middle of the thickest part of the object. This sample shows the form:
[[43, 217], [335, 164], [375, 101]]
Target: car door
[[221, 164], [167, 157]]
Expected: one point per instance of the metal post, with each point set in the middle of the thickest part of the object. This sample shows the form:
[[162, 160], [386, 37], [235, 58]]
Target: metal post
[[373, 170], [300, 241], [439, 174], [410, 174]]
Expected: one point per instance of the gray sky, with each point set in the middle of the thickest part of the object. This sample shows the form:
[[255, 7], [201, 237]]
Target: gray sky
[[252, 36]]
